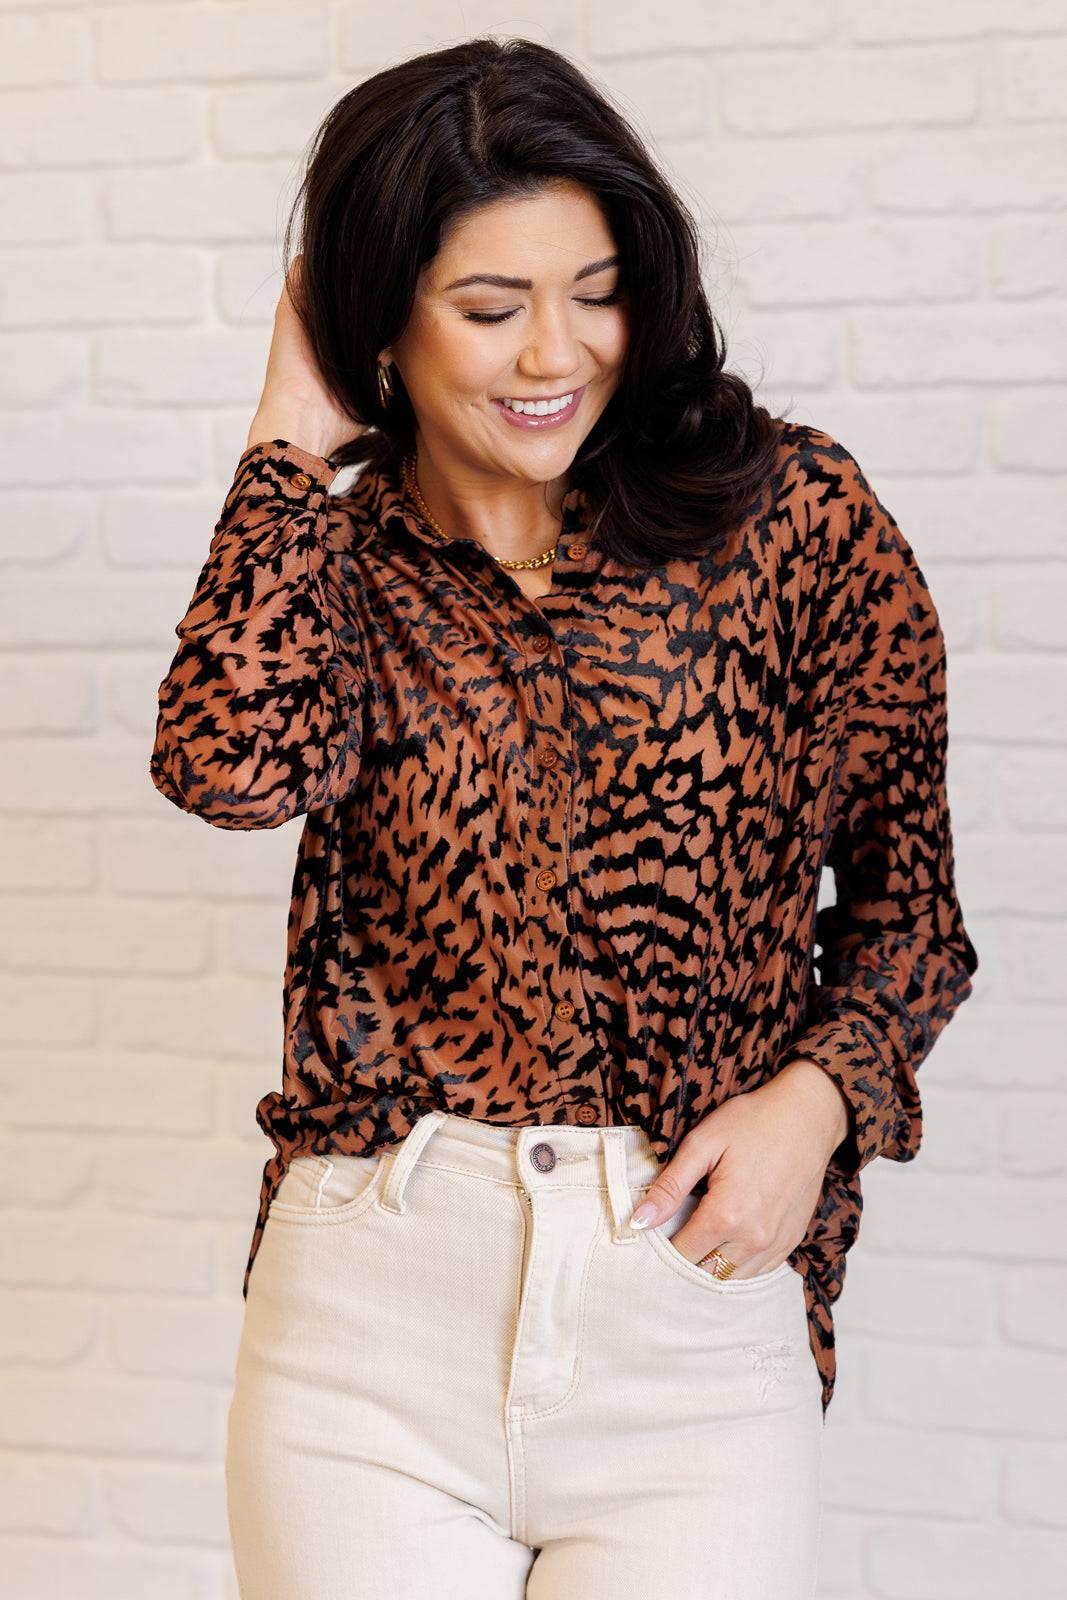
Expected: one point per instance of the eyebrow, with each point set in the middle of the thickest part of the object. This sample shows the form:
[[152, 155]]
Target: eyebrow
[[497, 280]]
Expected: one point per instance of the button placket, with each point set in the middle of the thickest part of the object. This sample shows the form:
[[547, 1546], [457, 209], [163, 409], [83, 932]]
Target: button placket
[[553, 796], [548, 850]]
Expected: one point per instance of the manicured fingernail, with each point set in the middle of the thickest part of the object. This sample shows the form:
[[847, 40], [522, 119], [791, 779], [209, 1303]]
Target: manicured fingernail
[[643, 1216]]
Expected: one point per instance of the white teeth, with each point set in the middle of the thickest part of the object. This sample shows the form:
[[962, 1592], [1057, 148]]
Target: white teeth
[[538, 408]]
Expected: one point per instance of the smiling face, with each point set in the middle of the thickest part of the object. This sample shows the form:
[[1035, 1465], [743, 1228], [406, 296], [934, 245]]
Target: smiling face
[[541, 318]]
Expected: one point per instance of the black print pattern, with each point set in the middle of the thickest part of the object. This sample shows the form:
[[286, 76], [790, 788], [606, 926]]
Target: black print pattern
[[560, 858]]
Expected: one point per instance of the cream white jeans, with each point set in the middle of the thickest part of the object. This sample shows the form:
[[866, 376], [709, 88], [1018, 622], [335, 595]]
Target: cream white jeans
[[462, 1375]]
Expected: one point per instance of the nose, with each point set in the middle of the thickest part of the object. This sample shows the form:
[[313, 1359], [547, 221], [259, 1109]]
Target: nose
[[553, 350]]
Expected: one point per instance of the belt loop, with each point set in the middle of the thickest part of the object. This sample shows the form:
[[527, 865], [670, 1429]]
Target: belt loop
[[613, 1144], [392, 1195]]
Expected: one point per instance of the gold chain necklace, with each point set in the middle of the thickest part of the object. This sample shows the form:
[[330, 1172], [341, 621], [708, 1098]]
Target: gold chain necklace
[[413, 489]]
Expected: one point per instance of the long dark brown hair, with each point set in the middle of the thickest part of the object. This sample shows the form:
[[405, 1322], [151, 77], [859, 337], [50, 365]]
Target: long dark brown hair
[[682, 450]]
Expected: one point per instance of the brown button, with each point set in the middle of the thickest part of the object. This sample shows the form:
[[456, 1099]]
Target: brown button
[[576, 552], [586, 1113], [548, 757], [301, 481], [541, 642], [546, 879], [564, 1009]]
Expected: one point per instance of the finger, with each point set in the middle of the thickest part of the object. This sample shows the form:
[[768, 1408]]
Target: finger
[[747, 1262], [708, 1225], [745, 1266], [674, 1181], [702, 1230]]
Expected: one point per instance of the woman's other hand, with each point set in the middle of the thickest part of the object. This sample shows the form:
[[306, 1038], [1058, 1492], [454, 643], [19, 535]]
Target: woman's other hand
[[765, 1153]]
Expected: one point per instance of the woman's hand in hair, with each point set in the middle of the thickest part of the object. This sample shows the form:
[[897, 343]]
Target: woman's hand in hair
[[295, 404]]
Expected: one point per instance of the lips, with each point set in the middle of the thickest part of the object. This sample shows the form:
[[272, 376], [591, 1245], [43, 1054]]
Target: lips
[[552, 420]]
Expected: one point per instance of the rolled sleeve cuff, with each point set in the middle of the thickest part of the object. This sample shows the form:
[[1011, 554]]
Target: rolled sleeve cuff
[[275, 469], [860, 1061]]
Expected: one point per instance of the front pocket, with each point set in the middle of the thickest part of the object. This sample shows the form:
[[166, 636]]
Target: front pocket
[[323, 1189], [704, 1276], [661, 1243]]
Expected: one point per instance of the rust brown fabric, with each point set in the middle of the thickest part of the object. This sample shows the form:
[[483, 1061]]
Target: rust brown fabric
[[560, 859]]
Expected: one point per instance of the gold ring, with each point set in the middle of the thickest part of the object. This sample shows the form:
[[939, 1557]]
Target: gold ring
[[723, 1266]]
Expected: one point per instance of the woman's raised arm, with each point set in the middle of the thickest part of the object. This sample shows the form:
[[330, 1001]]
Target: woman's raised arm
[[260, 711]]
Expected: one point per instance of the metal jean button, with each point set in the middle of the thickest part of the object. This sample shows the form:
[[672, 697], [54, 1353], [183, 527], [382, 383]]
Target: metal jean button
[[543, 1157]]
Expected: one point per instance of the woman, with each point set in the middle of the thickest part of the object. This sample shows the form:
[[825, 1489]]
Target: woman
[[578, 686]]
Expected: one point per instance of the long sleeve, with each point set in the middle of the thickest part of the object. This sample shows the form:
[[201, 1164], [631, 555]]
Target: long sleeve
[[260, 711], [896, 961]]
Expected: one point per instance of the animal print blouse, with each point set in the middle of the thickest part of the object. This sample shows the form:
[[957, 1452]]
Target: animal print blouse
[[561, 857]]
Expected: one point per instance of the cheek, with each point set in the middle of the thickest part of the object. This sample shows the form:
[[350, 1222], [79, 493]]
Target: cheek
[[445, 380], [447, 358], [612, 344], [467, 368]]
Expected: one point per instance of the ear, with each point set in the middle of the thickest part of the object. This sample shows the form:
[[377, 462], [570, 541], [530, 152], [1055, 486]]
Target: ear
[[385, 356]]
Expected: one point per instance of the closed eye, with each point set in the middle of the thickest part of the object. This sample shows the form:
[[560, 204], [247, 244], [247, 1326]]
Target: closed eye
[[502, 316]]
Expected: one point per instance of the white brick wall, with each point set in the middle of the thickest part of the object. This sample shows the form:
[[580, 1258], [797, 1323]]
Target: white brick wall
[[883, 189]]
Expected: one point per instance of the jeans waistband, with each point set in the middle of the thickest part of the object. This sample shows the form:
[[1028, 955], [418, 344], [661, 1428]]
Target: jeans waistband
[[542, 1155]]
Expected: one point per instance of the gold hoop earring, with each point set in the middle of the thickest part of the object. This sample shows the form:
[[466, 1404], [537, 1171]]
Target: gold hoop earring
[[385, 386]]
